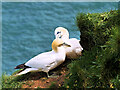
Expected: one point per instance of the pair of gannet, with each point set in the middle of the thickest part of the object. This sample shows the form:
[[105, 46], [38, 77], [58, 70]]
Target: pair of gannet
[[75, 50], [47, 61]]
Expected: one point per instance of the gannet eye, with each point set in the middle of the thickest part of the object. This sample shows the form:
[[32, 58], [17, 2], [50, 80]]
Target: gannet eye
[[60, 37], [58, 32]]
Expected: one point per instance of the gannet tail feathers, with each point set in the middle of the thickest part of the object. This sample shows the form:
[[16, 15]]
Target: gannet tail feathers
[[21, 66]]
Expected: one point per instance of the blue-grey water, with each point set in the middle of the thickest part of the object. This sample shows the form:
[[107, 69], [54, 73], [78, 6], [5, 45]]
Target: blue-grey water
[[28, 28]]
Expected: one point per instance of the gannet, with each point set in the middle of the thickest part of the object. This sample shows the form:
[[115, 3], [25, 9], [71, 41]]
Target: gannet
[[75, 50], [46, 61]]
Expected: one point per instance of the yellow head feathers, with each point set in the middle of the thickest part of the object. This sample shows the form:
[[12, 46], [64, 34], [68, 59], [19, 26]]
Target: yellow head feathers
[[57, 43], [60, 31]]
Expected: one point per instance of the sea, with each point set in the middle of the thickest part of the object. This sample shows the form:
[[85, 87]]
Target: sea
[[28, 27]]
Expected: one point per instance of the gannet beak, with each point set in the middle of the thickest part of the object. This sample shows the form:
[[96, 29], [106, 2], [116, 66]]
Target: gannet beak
[[66, 44]]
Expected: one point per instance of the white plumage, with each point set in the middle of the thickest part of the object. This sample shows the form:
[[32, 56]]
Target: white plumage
[[46, 61], [75, 50]]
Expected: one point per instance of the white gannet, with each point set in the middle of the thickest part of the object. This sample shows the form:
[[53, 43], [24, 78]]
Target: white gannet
[[46, 61], [76, 49]]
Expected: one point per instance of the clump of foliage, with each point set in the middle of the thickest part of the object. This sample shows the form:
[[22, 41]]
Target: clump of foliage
[[99, 67], [14, 81], [10, 82], [95, 28]]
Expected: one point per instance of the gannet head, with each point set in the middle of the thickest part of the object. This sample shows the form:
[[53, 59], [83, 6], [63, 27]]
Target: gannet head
[[61, 32], [58, 43]]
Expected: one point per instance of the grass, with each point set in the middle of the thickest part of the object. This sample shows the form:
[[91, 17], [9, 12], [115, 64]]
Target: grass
[[10, 82]]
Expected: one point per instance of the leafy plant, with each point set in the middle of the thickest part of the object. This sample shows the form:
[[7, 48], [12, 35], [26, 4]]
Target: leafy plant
[[100, 64], [95, 28]]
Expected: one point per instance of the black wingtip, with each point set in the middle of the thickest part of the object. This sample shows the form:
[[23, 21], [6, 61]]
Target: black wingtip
[[15, 67], [21, 66]]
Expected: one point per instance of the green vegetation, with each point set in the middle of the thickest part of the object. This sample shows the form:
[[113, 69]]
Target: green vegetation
[[53, 85], [14, 81], [10, 82], [96, 28], [100, 64]]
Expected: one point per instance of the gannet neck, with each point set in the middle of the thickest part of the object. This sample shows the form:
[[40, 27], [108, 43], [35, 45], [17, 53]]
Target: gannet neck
[[60, 49], [61, 52]]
